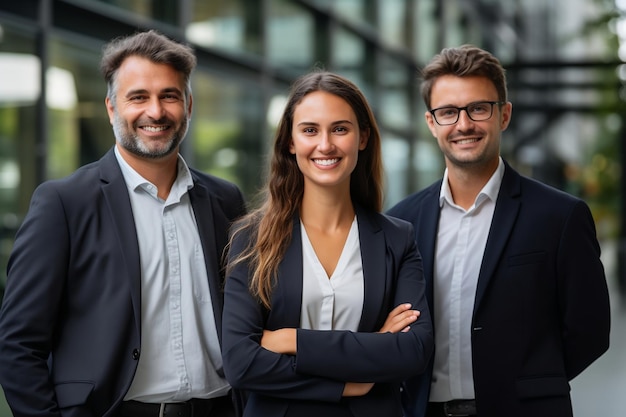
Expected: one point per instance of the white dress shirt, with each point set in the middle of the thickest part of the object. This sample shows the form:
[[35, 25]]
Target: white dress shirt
[[179, 346], [335, 302], [461, 240]]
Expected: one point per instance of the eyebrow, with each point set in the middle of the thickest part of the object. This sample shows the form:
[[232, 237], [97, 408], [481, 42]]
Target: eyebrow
[[144, 91], [466, 104], [338, 122]]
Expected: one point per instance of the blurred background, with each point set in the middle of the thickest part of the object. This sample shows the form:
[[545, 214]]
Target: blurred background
[[566, 76]]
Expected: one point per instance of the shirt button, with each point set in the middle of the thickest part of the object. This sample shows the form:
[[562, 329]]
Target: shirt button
[[135, 354]]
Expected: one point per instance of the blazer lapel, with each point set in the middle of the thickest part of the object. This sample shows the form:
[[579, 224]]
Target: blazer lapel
[[426, 227], [116, 196], [375, 276], [507, 208], [287, 300]]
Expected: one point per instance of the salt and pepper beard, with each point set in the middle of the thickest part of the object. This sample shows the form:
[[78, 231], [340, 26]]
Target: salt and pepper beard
[[133, 143]]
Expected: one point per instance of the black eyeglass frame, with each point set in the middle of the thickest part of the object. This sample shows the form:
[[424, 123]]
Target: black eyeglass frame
[[492, 103]]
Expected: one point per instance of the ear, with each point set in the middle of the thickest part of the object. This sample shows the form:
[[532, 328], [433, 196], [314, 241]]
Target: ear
[[364, 138], [430, 122], [505, 116], [110, 109], [189, 106], [292, 148]]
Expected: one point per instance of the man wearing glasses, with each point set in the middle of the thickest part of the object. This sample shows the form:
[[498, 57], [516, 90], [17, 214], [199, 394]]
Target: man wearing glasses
[[514, 279]]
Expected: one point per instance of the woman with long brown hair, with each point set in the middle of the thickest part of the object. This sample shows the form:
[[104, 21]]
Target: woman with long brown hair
[[324, 310]]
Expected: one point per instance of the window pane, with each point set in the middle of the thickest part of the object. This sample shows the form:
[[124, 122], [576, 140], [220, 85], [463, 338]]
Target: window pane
[[163, 10], [20, 88], [348, 56], [393, 22], [356, 11], [233, 25], [290, 36], [425, 29], [395, 97], [228, 130], [79, 131], [396, 162]]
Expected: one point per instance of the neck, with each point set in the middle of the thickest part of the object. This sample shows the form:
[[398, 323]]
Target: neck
[[161, 172], [466, 182], [326, 211]]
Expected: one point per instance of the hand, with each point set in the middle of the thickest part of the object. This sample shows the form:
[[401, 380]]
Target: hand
[[356, 389], [399, 319], [280, 341]]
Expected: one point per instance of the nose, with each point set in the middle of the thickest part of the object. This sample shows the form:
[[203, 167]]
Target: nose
[[464, 120], [155, 109], [325, 143]]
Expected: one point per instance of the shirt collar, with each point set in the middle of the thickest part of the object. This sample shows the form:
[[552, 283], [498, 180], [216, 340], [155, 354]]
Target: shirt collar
[[135, 181], [489, 191]]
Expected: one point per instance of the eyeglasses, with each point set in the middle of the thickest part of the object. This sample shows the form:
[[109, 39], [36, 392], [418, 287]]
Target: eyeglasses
[[478, 112]]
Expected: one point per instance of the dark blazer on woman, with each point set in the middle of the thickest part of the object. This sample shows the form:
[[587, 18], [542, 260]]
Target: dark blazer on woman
[[541, 313], [326, 359], [70, 324]]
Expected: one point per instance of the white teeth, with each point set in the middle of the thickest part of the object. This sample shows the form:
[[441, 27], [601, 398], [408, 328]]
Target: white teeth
[[154, 128], [326, 161], [464, 141]]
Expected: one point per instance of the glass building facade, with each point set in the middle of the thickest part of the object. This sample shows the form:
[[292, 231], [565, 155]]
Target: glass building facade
[[563, 74], [52, 114]]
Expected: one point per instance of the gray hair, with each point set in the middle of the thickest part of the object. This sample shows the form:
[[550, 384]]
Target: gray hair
[[151, 45]]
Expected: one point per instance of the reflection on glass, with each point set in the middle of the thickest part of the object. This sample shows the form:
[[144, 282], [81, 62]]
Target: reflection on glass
[[163, 10], [20, 87], [79, 130], [395, 97], [348, 56], [356, 11], [227, 131], [19, 78], [60, 89], [395, 158], [290, 32], [426, 26], [393, 23], [20, 82], [232, 25], [427, 162], [275, 110]]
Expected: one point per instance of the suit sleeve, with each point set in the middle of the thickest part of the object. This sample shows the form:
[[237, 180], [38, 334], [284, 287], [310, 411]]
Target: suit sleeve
[[371, 356], [250, 367], [35, 281], [583, 293]]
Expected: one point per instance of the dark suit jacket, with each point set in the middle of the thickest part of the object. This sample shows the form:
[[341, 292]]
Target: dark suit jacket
[[326, 359], [70, 319], [541, 313]]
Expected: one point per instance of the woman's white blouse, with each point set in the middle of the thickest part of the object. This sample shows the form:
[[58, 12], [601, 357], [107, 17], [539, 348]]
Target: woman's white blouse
[[333, 303]]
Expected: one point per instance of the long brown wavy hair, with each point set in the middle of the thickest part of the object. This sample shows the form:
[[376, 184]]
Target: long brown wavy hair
[[270, 225]]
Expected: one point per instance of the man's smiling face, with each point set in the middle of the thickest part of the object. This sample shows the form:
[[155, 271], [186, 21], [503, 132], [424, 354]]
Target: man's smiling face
[[150, 115], [468, 142]]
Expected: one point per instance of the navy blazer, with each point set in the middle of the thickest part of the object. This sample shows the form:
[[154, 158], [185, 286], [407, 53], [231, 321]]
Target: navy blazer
[[326, 359], [70, 324], [541, 313]]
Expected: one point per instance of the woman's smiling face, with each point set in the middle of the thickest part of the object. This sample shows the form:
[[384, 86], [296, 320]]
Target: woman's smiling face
[[326, 139]]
